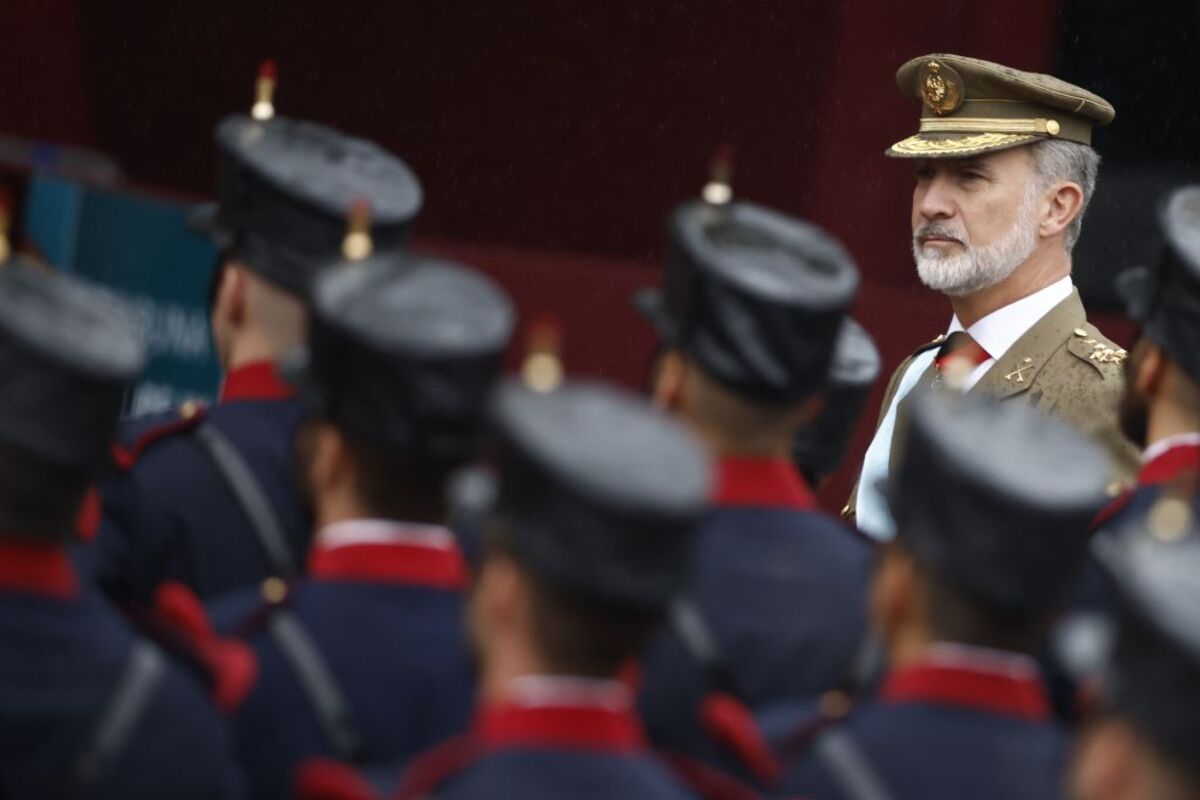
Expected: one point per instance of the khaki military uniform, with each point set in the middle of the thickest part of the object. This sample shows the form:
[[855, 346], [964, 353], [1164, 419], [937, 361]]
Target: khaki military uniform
[[1063, 366]]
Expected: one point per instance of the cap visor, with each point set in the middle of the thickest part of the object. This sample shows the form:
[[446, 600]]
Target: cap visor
[[650, 304], [203, 220], [956, 145]]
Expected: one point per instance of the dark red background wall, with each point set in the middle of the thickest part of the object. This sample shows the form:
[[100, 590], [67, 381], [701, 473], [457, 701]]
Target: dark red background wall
[[552, 137]]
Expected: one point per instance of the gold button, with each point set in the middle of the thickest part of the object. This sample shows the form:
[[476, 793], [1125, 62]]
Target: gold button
[[1170, 519], [274, 590], [1052, 127], [1113, 489], [1080, 332], [189, 409], [834, 704]]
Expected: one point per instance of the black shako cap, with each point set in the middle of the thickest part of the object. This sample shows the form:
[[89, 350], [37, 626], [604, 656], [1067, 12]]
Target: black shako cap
[[757, 298], [996, 498], [600, 493], [68, 353], [404, 351], [1153, 678], [1165, 298], [818, 447], [285, 190]]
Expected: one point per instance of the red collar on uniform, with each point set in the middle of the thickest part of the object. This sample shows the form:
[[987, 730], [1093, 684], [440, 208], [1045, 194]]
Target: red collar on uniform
[[372, 551], [36, 568], [1170, 464], [1018, 693], [762, 482], [258, 380], [574, 727]]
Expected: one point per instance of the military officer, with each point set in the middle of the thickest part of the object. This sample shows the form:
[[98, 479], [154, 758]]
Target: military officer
[[753, 306], [820, 445], [89, 708], [208, 497], [591, 533], [363, 660], [1004, 172], [993, 504], [1145, 741]]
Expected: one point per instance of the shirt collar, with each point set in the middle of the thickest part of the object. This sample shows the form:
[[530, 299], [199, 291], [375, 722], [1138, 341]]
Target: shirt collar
[[1001, 329], [991, 681], [743, 481], [387, 551], [559, 712], [258, 380], [39, 568]]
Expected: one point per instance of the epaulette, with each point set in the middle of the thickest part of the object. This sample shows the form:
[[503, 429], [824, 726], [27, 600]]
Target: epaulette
[[1090, 345], [136, 438]]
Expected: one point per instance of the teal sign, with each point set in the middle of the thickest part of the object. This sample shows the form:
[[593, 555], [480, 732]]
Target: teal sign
[[139, 247]]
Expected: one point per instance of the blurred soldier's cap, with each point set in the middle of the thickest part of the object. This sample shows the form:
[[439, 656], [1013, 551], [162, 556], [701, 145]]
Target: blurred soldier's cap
[[286, 187], [1165, 298], [599, 492], [996, 498], [818, 447], [971, 106], [1153, 678], [405, 351], [755, 297], [68, 353]]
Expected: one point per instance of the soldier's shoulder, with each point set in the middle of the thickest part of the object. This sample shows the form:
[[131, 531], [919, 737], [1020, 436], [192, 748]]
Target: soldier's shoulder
[[136, 437], [1106, 358]]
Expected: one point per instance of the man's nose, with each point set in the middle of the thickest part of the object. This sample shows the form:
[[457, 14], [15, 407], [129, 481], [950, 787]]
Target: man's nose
[[934, 200]]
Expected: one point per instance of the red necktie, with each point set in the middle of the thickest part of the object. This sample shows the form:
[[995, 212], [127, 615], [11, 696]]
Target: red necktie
[[957, 357]]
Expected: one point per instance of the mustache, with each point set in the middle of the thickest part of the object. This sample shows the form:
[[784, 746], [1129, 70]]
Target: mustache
[[939, 230]]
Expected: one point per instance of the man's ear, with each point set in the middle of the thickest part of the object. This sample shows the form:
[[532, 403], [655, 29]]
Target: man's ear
[[1062, 203], [331, 464], [893, 590], [231, 294], [1150, 369], [667, 391]]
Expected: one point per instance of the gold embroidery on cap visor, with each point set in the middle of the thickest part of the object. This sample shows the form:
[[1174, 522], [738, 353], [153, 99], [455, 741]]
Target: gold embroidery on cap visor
[[951, 145]]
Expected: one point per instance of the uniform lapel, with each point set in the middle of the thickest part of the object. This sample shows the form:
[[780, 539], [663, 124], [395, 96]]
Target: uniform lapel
[[901, 427], [1016, 370]]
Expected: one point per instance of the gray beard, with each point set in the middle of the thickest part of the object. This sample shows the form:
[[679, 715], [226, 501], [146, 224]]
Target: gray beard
[[978, 267]]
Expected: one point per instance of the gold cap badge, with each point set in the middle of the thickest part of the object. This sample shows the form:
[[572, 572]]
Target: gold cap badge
[[941, 88]]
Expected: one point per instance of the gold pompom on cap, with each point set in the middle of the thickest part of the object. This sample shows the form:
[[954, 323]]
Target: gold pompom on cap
[[358, 245], [264, 92], [719, 189], [542, 370]]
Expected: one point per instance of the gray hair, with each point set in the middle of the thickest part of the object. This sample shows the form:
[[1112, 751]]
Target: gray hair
[[1058, 160]]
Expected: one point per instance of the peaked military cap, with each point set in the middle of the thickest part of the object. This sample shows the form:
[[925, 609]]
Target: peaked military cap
[[971, 106], [68, 352], [286, 187], [757, 298], [404, 350], [819, 446], [600, 492], [996, 498], [1154, 673], [1166, 299]]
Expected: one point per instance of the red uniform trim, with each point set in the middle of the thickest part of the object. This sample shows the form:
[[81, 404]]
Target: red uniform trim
[[87, 520], [559, 727], [258, 380], [964, 687], [771, 482], [37, 568], [413, 564], [1169, 465], [127, 457]]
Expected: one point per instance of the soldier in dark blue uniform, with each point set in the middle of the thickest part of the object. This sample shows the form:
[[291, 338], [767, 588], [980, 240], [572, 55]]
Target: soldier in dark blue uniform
[[88, 708], [208, 497], [1145, 740], [589, 538], [752, 308], [993, 505], [820, 445], [365, 660]]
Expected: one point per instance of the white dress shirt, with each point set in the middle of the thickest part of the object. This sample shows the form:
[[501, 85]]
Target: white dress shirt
[[995, 333]]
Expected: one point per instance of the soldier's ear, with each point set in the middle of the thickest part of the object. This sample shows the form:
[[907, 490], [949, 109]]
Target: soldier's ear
[[893, 591], [668, 381], [329, 467], [1150, 369], [1061, 203], [1104, 766]]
